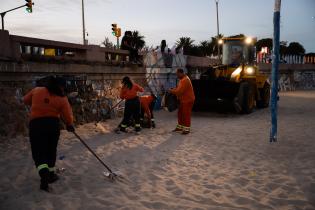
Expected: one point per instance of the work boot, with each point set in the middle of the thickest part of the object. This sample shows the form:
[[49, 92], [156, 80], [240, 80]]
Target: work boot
[[178, 130], [137, 129], [52, 177], [185, 132], [44, 186], [44, 181], [153, 124], [123, 130]]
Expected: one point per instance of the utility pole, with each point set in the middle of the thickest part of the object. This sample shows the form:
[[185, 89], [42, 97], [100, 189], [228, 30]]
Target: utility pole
[[83, 23], [218, 29], [2, 20], [275, 71]]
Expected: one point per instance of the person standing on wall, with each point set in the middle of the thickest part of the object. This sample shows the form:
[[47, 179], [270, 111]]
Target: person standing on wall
[[126, 44], [129, 92], [47, 105], [185, 94]]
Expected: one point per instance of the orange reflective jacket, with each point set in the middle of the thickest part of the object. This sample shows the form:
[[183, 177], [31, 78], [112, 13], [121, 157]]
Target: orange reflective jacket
[[127, 93], [45, 104], [145, 104], [184, 91]]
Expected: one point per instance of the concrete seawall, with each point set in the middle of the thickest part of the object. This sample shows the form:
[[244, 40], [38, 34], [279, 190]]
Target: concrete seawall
[[94, 73], [293, 76]]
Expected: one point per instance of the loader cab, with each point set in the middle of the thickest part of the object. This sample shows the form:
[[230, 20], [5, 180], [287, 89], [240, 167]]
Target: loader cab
[[237, 51]]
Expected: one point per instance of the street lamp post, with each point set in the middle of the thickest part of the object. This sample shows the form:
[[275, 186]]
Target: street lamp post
[[218, 29], [83, 23], [4, 13], [275, 72]]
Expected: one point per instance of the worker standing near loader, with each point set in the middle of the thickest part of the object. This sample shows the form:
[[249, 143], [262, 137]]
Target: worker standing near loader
[[185, 94], [47, 105], [147, 105], [129, 92]]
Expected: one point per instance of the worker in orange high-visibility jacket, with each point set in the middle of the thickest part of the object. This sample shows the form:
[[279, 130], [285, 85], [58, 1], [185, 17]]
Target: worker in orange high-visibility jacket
[[47, 105], [147, 105], [129, 92], [185, 94]]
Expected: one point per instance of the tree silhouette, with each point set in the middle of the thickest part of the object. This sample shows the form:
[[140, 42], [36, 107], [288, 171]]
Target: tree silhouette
[[137, 40], [263, 43], [295, 48], [107, 43], [186, 43], [214, 44], [206, 48]]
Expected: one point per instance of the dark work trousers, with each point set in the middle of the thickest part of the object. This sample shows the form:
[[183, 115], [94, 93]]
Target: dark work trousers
[[132, 111], [44, 135]]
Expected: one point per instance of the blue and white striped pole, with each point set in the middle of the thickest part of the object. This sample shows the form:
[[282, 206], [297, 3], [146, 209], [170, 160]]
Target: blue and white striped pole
[[275, 71]]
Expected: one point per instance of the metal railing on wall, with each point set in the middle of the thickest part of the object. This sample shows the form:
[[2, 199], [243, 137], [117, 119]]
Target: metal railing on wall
[[287, 59]]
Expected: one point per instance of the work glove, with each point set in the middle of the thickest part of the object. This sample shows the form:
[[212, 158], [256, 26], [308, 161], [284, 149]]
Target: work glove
[[70, 128]]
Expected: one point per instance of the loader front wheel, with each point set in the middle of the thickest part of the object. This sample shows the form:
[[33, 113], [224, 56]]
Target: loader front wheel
[[249, 98], [265, 96]]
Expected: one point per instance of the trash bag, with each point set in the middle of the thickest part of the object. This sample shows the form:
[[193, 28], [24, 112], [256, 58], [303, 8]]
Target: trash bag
[[171, 102]]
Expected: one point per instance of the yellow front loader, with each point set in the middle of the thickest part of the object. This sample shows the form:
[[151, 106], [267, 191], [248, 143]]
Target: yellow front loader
[[237, 81]]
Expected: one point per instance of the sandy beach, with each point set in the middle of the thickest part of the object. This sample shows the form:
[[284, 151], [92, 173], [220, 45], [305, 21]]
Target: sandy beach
[[226, 163]]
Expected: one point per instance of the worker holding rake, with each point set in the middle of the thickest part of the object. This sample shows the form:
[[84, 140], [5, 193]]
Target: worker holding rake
[[47, 105]]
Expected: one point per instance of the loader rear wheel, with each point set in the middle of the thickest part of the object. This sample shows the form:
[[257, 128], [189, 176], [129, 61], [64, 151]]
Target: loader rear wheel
[[265, 96], [249, 98]]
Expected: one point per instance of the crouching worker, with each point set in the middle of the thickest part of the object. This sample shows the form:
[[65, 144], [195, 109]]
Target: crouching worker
[[129, 92], [147, 106], [47, 105], [185, 94]]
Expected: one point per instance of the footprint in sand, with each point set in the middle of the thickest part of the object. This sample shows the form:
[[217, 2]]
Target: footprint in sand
[[212, 186], [194, 177], [169, 183]]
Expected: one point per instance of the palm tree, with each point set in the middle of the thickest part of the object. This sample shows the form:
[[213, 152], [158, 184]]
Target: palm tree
[[138, 40], [186, 43], [205, 48], [214, 44]]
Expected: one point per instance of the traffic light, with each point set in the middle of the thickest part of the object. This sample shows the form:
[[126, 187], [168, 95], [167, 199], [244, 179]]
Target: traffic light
[[114, 29], [29, 6], [118, 34]]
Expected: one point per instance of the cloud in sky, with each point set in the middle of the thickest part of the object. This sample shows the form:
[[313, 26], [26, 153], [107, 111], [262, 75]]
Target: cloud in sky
[[161, 19]]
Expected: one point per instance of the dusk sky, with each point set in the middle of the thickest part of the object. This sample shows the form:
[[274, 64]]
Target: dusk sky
[[161, 19]]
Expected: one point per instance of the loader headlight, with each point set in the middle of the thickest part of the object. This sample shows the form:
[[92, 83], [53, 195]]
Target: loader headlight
[[249, 40], [249, 70], [236, 72]]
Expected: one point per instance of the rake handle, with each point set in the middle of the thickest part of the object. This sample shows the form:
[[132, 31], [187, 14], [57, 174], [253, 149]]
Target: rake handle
[[83, 142]]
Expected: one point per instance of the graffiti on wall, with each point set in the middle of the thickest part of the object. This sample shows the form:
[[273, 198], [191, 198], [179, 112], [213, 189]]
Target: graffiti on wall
[[286, 83], [304, 79], [161, 70]]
